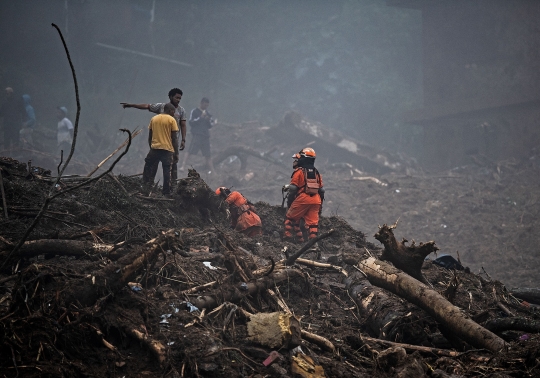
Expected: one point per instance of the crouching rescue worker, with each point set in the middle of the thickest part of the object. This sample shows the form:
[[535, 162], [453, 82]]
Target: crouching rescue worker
[[306, 194], [244, 219]]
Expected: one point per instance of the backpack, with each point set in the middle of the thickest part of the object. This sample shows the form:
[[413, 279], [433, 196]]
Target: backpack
[[312, 185]]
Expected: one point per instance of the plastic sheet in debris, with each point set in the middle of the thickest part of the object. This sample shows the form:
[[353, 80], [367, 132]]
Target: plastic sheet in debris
[[190, 306], [164, 318], [209, 265], [448, 262]]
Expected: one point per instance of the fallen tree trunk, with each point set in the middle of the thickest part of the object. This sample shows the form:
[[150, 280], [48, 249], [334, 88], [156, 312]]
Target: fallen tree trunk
[[384, 313], [529, 294], [424, 349], [134, 262], [63, 248], [386, 276], [514, 324]]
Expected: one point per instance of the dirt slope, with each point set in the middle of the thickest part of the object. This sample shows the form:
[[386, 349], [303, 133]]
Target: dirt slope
[[78, 310]]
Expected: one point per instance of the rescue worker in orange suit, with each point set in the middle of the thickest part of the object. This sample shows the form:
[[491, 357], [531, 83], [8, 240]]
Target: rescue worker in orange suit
[[306, 194], [244, 219]]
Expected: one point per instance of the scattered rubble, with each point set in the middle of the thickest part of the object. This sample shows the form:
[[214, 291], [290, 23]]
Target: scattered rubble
[[112, 284]]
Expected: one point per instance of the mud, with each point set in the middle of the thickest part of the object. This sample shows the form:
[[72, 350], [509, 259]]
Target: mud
[[62, 316]]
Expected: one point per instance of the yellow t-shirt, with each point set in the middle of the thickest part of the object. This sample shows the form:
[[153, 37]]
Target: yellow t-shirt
[[162, 125]]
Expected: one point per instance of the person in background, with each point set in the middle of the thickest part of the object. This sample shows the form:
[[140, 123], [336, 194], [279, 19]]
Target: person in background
[[244, 219], [25, 134], [12, 112], [306, 194], [64, 134], [163, 142], [175, 95], [201, 122]]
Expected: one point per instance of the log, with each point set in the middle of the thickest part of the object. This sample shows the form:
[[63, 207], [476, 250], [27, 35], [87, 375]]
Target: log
[[316, 264], [407, 258], [152, 248], [154, 198], [390, 278], [320, 341], [529, 294], [63, 248], [514, 324], [157, 348], [424, 349], [261, 284], [383, 312], [114, 276]]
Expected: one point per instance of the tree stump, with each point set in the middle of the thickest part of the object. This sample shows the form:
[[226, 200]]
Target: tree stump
[[407, 258]]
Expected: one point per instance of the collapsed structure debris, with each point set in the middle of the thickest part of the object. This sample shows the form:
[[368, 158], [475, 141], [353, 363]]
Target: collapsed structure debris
[[129, 289], [106, 282], [337, 147]]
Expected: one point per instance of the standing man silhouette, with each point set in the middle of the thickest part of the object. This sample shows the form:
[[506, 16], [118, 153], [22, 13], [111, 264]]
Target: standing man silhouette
[[175, 95]]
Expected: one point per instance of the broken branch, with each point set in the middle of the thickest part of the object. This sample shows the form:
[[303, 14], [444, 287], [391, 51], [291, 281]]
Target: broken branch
[[316, 264], [436, 351], [4, 205], [308, 245], [135, 133]]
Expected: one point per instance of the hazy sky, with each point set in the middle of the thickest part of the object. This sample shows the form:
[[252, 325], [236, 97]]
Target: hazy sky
[[352, 65]]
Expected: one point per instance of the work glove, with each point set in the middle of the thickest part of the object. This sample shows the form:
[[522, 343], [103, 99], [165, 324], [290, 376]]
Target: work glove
[[321, 193], [290, 200]]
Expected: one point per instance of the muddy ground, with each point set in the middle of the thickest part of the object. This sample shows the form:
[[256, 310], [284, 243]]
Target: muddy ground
[[485, 211], [68, 309]]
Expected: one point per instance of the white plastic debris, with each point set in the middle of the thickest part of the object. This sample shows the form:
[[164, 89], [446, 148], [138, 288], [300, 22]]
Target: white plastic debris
[[191, 307], [209, 265], [164, 318]]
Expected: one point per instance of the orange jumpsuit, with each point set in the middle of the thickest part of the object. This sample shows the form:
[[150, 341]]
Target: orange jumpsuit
[[243, 216], [304, 206]]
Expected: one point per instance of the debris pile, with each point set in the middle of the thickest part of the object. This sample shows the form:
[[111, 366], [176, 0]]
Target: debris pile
[[110, 283]]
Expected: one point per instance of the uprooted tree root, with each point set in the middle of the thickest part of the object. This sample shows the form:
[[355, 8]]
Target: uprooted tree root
[[407, 258]]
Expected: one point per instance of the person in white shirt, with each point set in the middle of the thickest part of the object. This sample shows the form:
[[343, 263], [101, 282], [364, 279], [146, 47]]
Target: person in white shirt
[[64, 136]]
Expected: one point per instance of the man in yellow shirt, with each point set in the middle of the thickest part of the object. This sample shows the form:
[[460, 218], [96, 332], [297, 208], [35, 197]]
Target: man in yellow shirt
[[163, 142]]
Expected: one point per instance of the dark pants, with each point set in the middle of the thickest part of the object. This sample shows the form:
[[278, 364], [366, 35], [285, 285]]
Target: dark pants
[[200, 143], [151, 163], [174, 172]]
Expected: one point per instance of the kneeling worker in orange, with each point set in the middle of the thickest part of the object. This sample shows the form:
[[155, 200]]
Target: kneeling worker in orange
[[306, 194], [243, 216]]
